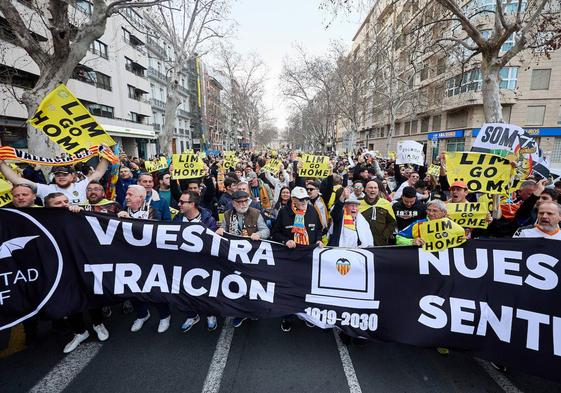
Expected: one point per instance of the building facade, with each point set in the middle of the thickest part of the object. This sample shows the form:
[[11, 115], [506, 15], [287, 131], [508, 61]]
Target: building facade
[[110, 81], [445, 108]]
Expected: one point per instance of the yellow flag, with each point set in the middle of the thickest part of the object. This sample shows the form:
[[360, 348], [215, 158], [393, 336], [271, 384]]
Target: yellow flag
[[187, 166], [314, 166], [486, 173], [469, 215], [156, 165], [230, 160], [68, 123], [434, 170], [441, 234]]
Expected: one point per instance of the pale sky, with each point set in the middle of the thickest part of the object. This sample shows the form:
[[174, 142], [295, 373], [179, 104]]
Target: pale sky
[[271, 27]]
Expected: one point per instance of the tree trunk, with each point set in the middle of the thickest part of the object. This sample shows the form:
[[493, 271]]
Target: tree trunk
[[166, 135], [490, 91]]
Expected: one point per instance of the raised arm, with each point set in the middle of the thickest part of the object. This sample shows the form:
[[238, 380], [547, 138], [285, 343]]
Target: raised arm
[[13, 177]]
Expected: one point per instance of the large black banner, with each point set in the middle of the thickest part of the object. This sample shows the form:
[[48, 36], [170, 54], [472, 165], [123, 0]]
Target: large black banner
[[497, 299]]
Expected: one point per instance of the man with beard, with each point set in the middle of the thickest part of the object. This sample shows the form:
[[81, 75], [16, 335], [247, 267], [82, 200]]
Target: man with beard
[[96, 202], [243, 220], [379, 214], [549, 216]]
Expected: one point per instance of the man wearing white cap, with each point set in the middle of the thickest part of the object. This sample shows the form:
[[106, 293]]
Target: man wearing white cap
[[349, 228], [296, 223]]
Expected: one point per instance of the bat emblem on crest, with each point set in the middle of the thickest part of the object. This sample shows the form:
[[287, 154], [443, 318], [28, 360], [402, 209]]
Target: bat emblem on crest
[[17, 243], [343, 266]]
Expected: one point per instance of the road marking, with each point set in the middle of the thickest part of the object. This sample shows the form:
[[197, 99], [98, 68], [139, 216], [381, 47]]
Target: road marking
[[352, 380], [16, 343], [67, 369], [219, 359], [498, 377]]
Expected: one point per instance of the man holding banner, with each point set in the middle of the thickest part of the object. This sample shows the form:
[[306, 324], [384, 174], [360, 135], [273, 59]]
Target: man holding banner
[[64, 181]]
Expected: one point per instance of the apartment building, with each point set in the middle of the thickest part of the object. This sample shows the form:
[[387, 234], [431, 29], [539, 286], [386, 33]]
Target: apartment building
[[111, 81], [445, 111]]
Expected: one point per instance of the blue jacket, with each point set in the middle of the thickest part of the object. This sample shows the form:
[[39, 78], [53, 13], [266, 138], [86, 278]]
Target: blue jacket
[[206, 219], [121, 189]]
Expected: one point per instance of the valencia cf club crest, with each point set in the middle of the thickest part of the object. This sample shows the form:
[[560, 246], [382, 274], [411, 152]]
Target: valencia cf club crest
[[343, 277], [343, 266]]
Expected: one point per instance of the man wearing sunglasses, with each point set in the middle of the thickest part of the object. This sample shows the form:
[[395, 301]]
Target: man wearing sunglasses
[[191, 211]]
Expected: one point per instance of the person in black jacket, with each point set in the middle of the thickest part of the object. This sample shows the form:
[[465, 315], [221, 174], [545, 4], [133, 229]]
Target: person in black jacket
[[298, 223]]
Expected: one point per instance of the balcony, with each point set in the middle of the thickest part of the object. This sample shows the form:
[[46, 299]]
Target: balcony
[[136, 69], [182, 113], [157, 127], [183, 90], [156, 48], [153, 73], [158, 103]]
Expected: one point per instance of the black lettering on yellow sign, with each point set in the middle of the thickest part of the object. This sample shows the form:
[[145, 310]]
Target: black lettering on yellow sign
[[439, 227], [5, 198], [443, 243]]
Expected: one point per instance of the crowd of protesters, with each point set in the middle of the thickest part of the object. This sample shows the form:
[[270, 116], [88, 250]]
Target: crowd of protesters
[[366, 201]]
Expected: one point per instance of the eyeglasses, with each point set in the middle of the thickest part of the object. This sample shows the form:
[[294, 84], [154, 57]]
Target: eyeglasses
[[303, 200], [183, 202]]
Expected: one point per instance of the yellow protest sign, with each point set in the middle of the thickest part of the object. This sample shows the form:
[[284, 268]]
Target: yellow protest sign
[[187, 166], [67, 122], [230, 160], [5, 192], [392, 155], [441, 234], [156, 165], [314, 166], [486, 173], [272, 166], [469, 215], [434, 170]]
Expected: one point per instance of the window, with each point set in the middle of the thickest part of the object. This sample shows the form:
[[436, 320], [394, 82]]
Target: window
[[535, 115], [103, 81], [424, 73], [468, 81], [84, 6], [540, 79], [455, 145], [559, 118], [18, 78], [407, 128], [99, 48], [436, 120], [414, 127], [507, 110], [441, 66], [136, 117], [99, 109], [509, 43], [425, 124], [509, 78], [84, 74], [136, 93], [457, 119], [556, 152], [134, 67]]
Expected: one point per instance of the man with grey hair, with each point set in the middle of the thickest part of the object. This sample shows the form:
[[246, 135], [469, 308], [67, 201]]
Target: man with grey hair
[[409, 236], [549, 216], [137, 208]]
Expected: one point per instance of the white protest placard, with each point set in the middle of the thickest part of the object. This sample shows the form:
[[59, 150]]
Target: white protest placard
[[505, 140], [410, 152]]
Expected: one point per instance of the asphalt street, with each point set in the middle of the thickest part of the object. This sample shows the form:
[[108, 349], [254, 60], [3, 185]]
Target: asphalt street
[[257, 357]]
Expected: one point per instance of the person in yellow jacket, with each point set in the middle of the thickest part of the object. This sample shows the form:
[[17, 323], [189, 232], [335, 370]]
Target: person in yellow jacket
[[379, 214]]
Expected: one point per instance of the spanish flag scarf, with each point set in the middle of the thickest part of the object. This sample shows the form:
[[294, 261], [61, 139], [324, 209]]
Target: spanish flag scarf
[[348, 221], [299, 228]]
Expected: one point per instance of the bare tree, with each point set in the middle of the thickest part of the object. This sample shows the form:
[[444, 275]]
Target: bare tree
[[308, 84], [267, 132], [68, 38], [186, 25], [247, 75]]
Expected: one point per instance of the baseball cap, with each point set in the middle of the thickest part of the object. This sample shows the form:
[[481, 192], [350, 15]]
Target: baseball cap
[[352, 199], [300, 193], [62, 169], [460, 184]]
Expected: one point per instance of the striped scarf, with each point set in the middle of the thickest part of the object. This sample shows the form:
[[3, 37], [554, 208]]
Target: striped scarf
[[348, 221], [299, 228]]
